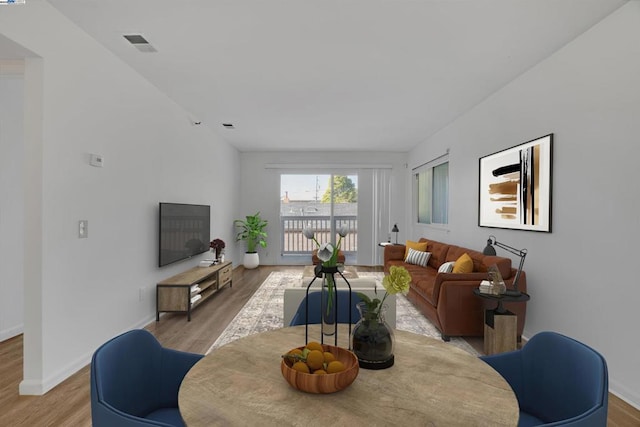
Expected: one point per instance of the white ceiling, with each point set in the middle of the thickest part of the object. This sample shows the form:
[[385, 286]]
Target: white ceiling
[[363, 75]]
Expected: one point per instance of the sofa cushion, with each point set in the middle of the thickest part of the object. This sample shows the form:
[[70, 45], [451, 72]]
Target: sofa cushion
[[417, 257], [418, 246], [481, 262], [446, 267], [423, 281], [438, 253], [464, 264]]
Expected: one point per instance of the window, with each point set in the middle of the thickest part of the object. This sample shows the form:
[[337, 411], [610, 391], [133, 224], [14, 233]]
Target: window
[[321, 202], [432, 191]]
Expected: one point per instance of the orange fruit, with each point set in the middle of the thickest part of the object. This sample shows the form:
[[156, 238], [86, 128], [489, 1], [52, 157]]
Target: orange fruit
[[319, 372], [295, 352], [294, 355], [314, 345], [315, 359], [335, 366], [328, 357], [301, 367]]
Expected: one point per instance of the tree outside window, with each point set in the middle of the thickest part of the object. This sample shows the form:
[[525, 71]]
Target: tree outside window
[[344, 188]]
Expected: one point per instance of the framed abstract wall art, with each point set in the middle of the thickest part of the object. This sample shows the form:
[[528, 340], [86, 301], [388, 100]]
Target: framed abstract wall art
[[515, 187]]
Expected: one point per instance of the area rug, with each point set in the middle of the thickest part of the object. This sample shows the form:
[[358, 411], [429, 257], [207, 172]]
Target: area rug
[[264, 312]]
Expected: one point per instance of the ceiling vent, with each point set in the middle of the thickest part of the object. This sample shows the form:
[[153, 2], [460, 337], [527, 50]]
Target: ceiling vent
[[140, 43]]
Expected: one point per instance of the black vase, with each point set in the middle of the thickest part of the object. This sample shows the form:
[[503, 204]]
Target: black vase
[[372, 339]]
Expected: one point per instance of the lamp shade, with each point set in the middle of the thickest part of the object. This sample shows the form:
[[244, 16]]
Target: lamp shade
[[395, 228], [489, 249]]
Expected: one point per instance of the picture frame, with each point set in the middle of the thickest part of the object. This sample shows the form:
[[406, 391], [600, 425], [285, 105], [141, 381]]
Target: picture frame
[[514, 190]]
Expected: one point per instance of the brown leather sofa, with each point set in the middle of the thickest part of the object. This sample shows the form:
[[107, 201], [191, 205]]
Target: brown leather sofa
[[447, 299]]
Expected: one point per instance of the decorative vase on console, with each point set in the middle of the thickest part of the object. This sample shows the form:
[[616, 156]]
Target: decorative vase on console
[[217, 245], [372, 339]]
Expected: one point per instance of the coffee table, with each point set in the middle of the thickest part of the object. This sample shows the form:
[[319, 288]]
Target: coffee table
[[431, 383]]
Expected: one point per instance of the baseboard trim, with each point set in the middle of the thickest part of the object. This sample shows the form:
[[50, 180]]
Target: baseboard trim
[[38, 388], [30, 388], [629, 396], [5, 334]]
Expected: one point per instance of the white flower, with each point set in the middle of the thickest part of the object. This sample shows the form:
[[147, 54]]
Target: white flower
[[325, 252], [308, 233], [343, 231]]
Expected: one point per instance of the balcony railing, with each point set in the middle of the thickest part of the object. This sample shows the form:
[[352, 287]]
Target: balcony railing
[[294, 242]]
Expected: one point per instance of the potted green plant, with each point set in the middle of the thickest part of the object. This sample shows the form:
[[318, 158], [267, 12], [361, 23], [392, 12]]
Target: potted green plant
[[252, 230]]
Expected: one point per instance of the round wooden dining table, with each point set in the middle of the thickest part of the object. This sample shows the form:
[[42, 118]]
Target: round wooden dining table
[[432, 383]]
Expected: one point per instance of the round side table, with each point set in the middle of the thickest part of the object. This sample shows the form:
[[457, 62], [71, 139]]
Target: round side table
[[500, 325]]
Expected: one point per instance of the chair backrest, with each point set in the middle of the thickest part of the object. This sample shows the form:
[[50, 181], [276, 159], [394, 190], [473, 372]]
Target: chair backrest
[[564, 379], [315, 312], [125, 373]]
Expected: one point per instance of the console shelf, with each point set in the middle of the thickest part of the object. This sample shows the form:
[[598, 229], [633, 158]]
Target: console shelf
[[185, 291]]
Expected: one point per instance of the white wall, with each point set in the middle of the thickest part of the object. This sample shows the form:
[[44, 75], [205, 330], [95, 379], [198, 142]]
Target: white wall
[[260, 187], [80, 99], [581, 276], [11, 200]]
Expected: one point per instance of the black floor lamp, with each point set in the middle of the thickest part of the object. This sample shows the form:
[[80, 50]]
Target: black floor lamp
[[522, 253]]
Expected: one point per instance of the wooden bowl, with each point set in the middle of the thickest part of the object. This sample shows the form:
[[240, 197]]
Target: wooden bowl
[[327, 383]]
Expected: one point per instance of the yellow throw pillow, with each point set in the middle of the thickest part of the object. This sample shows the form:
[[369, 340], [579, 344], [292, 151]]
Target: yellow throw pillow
[[418, 246], [464, 264]]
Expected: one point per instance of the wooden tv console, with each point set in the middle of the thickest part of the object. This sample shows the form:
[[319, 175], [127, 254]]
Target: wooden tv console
[[176, 293]]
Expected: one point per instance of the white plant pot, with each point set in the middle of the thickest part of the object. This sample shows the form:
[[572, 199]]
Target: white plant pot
[[251, 260]]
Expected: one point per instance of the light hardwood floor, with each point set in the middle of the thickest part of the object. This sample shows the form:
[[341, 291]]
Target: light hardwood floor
[[68, 404]]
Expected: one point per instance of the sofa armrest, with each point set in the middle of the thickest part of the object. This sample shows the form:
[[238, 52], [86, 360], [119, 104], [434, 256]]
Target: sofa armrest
[[460, 312], [466, 279], [459, 309]]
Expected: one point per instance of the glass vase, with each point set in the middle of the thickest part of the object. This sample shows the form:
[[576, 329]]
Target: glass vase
[[328, 326], [372, 339]]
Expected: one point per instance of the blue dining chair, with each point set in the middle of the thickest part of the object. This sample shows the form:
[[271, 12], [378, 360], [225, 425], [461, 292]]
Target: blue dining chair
[[135, 381], [558, 381], [315, 299]]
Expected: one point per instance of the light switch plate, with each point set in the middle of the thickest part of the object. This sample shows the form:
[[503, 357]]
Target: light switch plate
[[83, 229], [96, 160]]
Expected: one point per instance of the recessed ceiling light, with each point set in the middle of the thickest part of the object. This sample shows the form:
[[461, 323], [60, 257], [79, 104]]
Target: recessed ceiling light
[[228, 125]]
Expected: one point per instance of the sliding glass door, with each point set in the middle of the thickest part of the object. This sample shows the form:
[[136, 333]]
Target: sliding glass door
[[322, 202]]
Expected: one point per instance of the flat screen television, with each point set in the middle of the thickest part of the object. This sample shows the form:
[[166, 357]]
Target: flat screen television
[[184, 231]]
